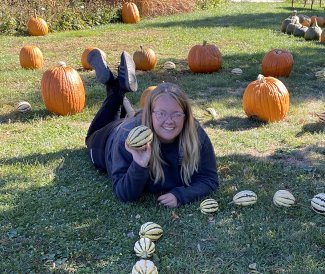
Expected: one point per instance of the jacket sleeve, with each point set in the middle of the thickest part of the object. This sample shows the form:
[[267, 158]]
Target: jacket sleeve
[[205, 180], [129, 179]]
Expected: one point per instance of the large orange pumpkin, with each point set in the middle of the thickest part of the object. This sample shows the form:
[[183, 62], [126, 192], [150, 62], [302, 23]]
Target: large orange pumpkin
[[130, 13], [84, 56], [37, 26], [62, 90], [145, 59], [204, 58], [277, 62], [267, 99], [145, 94], [31, 57]]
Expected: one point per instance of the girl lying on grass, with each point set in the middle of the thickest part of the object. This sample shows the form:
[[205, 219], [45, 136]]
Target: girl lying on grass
[[179, 164]]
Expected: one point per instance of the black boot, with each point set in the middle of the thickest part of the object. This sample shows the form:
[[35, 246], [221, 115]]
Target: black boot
[[126, 74], [97, 61]]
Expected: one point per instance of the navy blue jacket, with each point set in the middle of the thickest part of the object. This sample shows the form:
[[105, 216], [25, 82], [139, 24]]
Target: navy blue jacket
[[130, 180]]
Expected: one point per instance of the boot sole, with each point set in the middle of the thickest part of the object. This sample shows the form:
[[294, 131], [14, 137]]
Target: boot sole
[[130, 80], [96, 60]]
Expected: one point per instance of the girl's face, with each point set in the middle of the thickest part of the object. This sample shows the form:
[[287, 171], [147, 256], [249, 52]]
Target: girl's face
[[167, 118]]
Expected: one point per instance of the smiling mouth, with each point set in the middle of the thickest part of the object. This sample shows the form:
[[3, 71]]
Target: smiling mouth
[[168, 128]]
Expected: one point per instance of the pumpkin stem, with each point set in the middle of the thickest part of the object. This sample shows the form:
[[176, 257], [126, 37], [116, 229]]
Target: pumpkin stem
[[205, 42], [35, 14], [62, 64], [141, 47], [260, 78]]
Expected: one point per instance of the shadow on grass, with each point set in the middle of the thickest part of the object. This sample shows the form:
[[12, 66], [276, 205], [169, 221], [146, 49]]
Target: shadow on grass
[[234, 123], [312, 128]]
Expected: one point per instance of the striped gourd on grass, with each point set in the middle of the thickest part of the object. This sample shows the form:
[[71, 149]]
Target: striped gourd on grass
[[244, 198], [139, 136], [283, 198], [318, 203], [23, 106], [151, 230], [144, 248], [209, 206], [144, 267], [321, 117]]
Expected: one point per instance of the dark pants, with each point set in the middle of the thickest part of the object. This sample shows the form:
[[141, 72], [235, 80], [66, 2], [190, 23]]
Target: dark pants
[[109, 116]]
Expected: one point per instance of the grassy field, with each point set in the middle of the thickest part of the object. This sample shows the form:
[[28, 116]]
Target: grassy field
[[58, 214]]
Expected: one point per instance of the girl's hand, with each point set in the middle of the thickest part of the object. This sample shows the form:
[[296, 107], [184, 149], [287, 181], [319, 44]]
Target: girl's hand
[[140, 156], [168, 200]]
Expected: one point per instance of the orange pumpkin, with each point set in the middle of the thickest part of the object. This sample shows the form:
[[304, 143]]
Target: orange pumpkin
[[319, 19], [84, 61], [62, 90], [204, 58], [130, 13], [145, 59], [37, 26], [277, 63], [31, 57], [145, 94], [267, 99]]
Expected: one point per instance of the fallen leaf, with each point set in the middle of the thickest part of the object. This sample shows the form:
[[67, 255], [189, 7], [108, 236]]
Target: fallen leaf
[[174, 216], [252, 266]]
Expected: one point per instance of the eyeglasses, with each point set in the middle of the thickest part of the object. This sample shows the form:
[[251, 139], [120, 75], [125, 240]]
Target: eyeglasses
[[163, 116]]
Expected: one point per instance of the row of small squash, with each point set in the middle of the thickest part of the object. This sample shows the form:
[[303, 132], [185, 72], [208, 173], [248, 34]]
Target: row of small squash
[[280, 198], [304, 26], [145, 247]]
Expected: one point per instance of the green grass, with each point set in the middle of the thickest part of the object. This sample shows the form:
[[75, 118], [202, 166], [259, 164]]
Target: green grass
[[58, 214]]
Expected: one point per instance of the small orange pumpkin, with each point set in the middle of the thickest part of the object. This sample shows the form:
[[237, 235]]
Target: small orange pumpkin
[[31, 57], [84, 61], [37, 26], [130, 13], [267, 99], [204, 58], [277, 62], [145, 94], [145, 59], [62, 90]]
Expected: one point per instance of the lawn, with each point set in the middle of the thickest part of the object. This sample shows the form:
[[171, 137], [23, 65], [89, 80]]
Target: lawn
[[58, 214]]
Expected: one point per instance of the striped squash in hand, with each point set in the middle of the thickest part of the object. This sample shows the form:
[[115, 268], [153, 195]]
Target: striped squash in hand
[[139, 136]]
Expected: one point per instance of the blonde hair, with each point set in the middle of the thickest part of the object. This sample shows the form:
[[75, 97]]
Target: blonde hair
[[188, 138]]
